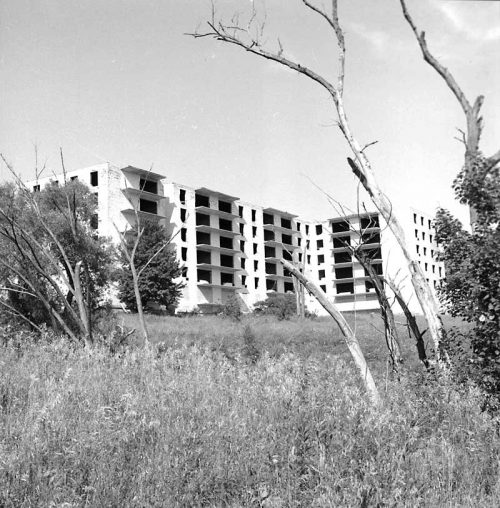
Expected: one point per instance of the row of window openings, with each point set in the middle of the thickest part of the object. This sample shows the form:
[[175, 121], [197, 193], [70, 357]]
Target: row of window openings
[[227, 243], [144, 184], [433, 269], [348, 287], [204, 220], [431, 238], [345, 226], [225, 206], [201, 200], [347, 272], [424, 251], [422, 220], [228, 261], [94, 181], [228, 279], [344, 241], [342, 257]]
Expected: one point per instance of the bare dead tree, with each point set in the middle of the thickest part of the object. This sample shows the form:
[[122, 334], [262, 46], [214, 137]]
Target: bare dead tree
[[391, 333], [130, 253], [472, 111], [249, 38], [301, 265], [413, 327], [357, 250], [349, 337]]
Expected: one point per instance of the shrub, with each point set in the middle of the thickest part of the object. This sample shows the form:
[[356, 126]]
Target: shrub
[[283, 306], [250, 350], [157, 283], [472, 264], [232, 308]]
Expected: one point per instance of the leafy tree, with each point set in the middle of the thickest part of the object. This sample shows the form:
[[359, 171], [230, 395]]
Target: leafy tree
[[472, 265], [283, 306], [157, 268], [54, 267]]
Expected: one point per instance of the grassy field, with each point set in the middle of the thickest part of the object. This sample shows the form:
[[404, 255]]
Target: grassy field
[[307, 339], [199, 420]]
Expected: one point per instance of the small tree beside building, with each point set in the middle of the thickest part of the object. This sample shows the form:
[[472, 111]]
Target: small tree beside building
[[156, 265]]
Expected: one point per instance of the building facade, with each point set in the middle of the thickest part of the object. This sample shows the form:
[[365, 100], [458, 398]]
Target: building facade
[[228, 247]]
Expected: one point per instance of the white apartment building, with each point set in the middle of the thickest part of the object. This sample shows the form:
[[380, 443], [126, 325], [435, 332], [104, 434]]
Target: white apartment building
[[229, 247], [332, 264]]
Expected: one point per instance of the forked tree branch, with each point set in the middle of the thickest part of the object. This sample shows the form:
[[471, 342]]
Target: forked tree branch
[[471, 111], [221, 33]]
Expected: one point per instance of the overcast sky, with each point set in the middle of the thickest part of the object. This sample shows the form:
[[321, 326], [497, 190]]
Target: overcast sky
[[118, 81]]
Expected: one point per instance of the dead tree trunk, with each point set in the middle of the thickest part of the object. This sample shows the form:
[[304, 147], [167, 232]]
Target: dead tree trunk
[[423, 292], [391, 334], [349, 337], [412, 323], [138, 301], [83, 311]]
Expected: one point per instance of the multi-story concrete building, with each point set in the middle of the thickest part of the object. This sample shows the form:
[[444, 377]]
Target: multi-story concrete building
[[228, 247]]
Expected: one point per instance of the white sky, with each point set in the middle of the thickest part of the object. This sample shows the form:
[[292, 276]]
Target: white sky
[[117, 80]]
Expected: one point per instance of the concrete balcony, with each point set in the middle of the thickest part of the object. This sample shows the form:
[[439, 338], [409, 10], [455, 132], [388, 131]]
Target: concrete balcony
[[130, 212], [222, 250], [281, 229], [131, 192], [226, 286], [143, 173], [210, 266], [210, 229], [219, 213]]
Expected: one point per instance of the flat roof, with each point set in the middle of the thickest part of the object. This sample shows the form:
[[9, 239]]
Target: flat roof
[[344, 218], [208, 192], [150, 175], [279, 212]]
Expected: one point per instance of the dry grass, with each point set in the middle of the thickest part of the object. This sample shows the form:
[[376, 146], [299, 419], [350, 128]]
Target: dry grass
[[204, 426]]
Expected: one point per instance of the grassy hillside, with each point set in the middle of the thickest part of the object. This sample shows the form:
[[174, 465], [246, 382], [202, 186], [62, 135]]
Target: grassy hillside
[[200, 421]]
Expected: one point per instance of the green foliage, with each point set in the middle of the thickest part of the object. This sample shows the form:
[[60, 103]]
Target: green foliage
[[190, 428], [250, 350], [42, 237], [156, 283], [472, 265], [232, 308], [283, 306], [71, 212]]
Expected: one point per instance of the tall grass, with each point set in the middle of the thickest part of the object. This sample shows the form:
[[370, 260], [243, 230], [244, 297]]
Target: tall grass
[[192, 426]]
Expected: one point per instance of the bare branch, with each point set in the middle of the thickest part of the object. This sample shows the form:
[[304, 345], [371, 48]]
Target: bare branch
[[254, 47], [474, 121], [333, 21], [368, 144], [62, 165], [18, 314]]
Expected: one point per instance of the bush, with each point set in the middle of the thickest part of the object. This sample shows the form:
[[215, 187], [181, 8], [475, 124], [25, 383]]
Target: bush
[[250, 350], [283, 306], [471, 289], [232, 308]]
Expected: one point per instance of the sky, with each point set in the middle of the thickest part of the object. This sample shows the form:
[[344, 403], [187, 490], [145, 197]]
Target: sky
[[120, 81]]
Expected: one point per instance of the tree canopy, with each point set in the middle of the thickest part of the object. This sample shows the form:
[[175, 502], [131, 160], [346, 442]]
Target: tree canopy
[[472, 264], [54, 267], [157, 265]]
